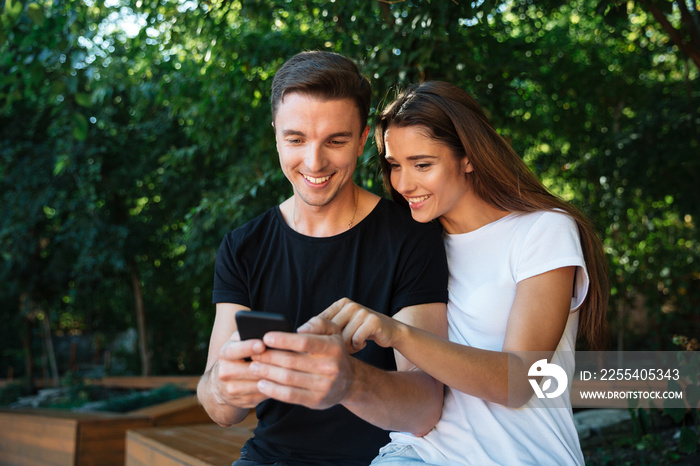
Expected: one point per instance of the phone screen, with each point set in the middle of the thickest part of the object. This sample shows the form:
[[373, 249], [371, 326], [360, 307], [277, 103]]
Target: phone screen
[[255, 324]]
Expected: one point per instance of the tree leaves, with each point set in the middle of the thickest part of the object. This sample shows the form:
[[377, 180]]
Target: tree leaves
[[80, 126], [150, 146], [36, 14]]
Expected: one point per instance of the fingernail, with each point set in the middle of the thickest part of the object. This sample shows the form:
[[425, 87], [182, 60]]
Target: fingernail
[[304, 327], [254, 367]]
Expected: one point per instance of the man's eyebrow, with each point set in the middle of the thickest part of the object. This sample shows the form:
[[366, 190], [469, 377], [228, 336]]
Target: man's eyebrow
[[293, 132], [342, 134]]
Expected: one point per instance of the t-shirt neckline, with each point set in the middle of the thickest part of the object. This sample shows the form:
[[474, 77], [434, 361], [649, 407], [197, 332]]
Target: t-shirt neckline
[[356, 227]]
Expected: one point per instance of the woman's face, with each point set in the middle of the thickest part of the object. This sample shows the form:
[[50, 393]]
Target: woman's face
[[425, 172]]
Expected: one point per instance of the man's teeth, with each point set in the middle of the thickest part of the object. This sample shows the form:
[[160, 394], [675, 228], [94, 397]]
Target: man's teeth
[[323, 179], [416, 200]]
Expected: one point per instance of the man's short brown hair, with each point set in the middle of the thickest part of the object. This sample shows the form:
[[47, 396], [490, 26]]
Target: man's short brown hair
[[324, 74]]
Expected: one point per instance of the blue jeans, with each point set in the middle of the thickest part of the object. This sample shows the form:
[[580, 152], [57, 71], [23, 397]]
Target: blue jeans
[[396, 454]]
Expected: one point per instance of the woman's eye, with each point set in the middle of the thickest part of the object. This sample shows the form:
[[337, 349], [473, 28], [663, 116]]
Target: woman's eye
[[423, 166]]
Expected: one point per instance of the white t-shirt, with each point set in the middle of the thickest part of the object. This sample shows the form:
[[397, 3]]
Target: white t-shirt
[[485, 267]]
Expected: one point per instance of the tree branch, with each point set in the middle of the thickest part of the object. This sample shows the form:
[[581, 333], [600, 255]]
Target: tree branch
[[673, 33], [689, 21]]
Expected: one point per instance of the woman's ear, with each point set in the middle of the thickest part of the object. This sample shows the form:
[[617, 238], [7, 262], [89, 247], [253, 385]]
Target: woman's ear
[[467, 166]]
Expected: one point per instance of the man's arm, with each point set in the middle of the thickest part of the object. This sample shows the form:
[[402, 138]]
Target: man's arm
[[320, 373], [228, 390]]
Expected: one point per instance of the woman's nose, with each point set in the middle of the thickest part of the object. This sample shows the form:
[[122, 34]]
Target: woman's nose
[[402, 182]]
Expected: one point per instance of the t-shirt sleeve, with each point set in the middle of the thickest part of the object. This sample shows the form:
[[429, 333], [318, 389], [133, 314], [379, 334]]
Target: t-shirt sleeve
[[229, 286], [423, 272], [553, 242]]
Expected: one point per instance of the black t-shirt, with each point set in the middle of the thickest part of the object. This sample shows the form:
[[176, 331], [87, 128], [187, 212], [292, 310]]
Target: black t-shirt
[[386, 262]]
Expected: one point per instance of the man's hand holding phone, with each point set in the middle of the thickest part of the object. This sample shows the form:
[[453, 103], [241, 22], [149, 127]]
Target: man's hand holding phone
[[312, 370], [308, 369], [237, 384]]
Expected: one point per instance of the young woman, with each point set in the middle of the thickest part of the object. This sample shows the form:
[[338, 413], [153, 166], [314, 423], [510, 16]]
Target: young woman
[[527, 275]]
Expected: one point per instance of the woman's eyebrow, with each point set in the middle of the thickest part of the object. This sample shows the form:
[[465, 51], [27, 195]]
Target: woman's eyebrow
[[414, 157], [421, 157]]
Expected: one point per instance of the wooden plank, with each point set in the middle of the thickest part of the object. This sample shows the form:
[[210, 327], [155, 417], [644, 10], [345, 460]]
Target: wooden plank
[[142, 451], [59, 437], [34, 439], [40, 457], [56, 437], [197, 445], [102, 441]]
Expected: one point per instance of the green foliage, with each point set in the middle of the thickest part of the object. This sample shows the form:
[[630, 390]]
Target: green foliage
[[688, 419], [125, 402], [77, 394], [129, 148], [12, 392]]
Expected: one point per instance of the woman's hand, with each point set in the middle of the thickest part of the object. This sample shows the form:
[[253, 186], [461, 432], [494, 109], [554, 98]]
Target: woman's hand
[[356, 323]]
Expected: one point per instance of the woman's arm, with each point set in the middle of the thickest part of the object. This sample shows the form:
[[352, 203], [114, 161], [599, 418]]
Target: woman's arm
[[536, 323]]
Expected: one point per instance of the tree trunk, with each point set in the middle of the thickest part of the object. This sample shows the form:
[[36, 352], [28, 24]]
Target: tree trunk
[[28, 354], [50, 353], [141, 321]]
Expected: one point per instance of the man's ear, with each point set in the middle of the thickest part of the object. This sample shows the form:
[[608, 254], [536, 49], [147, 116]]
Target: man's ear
[[363, 140]]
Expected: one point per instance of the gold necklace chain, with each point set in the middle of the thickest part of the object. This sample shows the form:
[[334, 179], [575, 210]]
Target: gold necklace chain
[[352, 220]]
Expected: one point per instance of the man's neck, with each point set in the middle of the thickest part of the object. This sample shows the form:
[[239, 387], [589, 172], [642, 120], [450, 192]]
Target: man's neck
[[329, 220]]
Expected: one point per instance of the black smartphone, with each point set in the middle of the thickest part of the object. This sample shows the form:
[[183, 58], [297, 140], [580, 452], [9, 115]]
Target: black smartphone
[[255, 324]]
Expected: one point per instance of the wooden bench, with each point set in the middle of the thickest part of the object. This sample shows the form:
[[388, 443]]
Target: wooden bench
[[199, 445]]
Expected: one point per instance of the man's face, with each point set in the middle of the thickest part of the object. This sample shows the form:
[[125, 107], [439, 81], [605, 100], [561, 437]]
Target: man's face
[[318, 142]]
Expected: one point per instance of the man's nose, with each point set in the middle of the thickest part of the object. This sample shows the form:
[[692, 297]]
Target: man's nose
[[314, 158]]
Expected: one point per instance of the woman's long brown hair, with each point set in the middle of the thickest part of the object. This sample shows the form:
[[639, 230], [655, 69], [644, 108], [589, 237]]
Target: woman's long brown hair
[[500, 177]]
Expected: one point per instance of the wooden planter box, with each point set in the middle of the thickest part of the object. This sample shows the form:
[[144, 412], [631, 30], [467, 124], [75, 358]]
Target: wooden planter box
[[58, 437], [53, 437]]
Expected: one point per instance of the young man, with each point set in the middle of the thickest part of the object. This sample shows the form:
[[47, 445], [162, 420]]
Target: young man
[[316, 403]]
